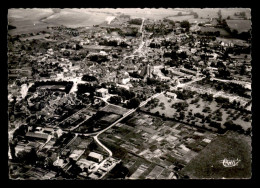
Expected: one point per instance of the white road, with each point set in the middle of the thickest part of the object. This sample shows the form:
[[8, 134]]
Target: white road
[[190, 82], [125, 115]]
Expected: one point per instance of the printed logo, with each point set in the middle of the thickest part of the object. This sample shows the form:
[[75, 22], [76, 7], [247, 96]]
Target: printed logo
[[230, 163]]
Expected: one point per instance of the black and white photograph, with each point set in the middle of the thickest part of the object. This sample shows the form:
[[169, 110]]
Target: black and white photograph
[[129, 93]]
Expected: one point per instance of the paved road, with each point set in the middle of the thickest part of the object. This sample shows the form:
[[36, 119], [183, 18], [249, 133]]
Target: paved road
[[192, 81], [142, 38], [141, 28]]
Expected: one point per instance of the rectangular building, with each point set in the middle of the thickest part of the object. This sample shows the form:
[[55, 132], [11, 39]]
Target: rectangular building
[[95, 157]]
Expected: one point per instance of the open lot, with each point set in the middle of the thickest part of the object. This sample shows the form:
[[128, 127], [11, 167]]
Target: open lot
[[208, 163]]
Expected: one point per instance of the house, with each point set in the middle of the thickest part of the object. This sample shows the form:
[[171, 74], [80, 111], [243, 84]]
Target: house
[[125, 80], [59, 132], [187, 71], [60, 162], [76, 154], [208, 25], [102, 92], [95, 157], [171, 95], [163, 78]]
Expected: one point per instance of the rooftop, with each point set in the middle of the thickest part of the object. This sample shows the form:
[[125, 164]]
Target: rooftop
[[102, 90], [37, 135], [95, 155]]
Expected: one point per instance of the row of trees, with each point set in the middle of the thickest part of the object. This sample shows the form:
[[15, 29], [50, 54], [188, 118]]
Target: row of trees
[[207, 97], [240, 14], [132, 103], [98, 58], [129, 31], [67, 84], [86, 88], [210, 33], [126, 94], [180, 106], [137, 21], [87, 77], [185, 94], [114, 43]]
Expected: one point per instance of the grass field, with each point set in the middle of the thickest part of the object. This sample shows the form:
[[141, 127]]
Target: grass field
[[213, 29], [212, 12], [24, 20], [168, 111], [230, 146], [198, 107], [35, 20], [239, 25]]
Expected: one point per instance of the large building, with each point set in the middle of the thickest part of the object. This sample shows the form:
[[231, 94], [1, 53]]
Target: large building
[[37, 136], [95, 157]]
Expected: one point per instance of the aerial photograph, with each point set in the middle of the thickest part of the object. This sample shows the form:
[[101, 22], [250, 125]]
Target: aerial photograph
[[129, 93]]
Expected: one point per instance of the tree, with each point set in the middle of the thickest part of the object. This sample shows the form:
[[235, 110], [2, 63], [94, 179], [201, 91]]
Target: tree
[[223, 73], [215, 124], [123, 44], [235, 32], [182, 115], [77, 47], [243, 69], [115, 99], [119, 171], [12, 150], [228, 124], [103, 85], [219, 15], [185, 24], [207, 97], [92, 146], [243, 14], [232, 126], [248, 131], [133, 103], [179, 14], [28, 157], [75, 169], [158, 89], [183, 55], [195, 14], [21, 131]]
